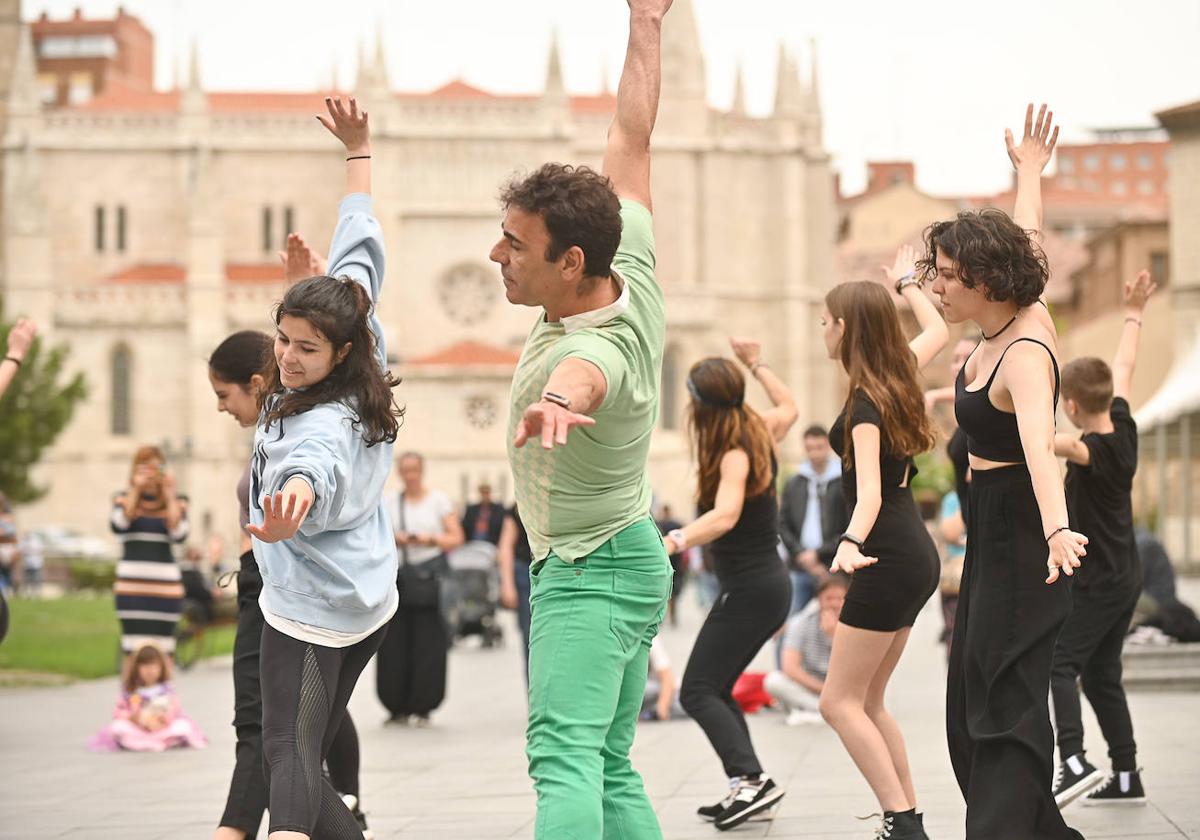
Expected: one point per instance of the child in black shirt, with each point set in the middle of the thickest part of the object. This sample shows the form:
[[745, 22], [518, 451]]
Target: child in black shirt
[[1100, 469]]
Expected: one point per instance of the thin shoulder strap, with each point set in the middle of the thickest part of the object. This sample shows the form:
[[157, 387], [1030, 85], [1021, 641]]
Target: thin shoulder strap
[[1044, 346]]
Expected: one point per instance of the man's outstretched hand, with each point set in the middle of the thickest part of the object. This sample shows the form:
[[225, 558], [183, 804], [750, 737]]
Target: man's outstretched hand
[[550, 421], [300, 260]]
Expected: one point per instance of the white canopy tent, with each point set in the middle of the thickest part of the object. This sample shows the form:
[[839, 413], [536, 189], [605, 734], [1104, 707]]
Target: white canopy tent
[[1168, 422]]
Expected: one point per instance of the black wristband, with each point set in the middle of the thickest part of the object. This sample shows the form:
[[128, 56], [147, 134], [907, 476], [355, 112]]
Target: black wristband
[[557, 399], [358, 157], [1050, 536], [1133, 320], [13, 359], [850, 538]]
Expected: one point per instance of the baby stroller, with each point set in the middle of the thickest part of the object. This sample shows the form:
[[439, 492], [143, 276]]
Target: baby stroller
[[473, 593]]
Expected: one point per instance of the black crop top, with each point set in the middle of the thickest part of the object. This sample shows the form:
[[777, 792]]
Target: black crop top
[[992, 433], [895, 473], [757, 529]]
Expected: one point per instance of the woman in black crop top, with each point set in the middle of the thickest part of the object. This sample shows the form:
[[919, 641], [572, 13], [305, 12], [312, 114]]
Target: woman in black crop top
[[988, 268], [886, 547], [735, 450]]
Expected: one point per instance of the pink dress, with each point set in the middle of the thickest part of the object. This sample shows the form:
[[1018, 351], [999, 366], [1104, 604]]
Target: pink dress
[[149, 720]]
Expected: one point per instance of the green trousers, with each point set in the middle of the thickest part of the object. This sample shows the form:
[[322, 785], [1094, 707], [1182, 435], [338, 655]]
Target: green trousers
[[589, 649]]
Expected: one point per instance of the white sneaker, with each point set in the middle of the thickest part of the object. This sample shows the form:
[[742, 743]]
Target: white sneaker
[[801, 717]]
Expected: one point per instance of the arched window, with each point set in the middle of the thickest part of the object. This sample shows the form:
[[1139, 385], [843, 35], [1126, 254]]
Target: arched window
[[122, 385], [670, 389]]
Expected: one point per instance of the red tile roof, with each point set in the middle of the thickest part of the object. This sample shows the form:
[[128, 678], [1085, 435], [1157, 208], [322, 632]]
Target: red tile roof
[[149, 273], [244, 273], [265, 272], [468, 353], [121, 97]]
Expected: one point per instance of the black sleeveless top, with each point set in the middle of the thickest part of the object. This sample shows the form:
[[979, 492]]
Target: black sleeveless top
[[992, 433], [757, 529]]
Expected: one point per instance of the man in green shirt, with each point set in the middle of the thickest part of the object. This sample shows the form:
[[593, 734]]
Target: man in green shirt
[[580, 245]]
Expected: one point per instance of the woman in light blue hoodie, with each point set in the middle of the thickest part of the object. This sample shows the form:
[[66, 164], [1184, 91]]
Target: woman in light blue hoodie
[[322, 537]]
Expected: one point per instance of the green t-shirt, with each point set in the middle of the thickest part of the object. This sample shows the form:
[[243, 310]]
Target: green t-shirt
[[574, 498]]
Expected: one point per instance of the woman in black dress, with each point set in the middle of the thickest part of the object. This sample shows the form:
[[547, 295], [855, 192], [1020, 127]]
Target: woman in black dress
[[988, 269], [886, 549], [735, 453]]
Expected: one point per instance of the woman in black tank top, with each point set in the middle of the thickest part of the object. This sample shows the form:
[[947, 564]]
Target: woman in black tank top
[[1012, 602], [886, 548], [735, 449]]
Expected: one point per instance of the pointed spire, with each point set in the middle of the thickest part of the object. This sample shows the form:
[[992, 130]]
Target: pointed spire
[[23, 95], [379, 70], [554, 76], [193, 94], [814, 90], [372, 82], [738, 108], [682, 57], [789, 96]]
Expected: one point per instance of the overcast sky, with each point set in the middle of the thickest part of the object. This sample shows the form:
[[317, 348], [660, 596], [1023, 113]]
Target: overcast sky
[[934, 81]]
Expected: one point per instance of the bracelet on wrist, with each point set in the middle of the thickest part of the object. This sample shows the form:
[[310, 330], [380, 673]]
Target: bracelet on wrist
[[907, 280], [1133, 320], [358, 157], [13, 359], [1056, 531], [557, 399], [759, 364], [850, 538]]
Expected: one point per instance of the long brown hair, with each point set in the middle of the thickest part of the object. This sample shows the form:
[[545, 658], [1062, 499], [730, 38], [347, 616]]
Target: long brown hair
[[877, 358], [339, 309], [719, 421], [145, 653]]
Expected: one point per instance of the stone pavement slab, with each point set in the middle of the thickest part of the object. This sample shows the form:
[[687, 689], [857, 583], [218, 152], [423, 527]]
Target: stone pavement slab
[[464, 777]]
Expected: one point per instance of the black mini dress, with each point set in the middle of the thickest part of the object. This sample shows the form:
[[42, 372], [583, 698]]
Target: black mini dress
[[888, 595]]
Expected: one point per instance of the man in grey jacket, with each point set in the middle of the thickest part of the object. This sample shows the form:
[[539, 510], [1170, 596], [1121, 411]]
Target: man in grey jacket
[[812, 516]]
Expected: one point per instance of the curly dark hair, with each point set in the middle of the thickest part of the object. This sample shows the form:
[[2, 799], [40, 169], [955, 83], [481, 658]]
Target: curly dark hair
[[579, 208], [991, 250], [339, 309]]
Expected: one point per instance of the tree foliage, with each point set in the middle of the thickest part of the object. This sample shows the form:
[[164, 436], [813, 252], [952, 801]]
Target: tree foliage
[[33, 412]]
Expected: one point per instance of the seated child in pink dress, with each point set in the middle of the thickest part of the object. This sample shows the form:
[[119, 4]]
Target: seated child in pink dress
[[148, 716]]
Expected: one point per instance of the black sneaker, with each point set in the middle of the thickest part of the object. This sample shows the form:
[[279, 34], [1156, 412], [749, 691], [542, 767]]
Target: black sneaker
[[1121, 788], [1074, 777], [711, 812], [900, 825], [750, 797]]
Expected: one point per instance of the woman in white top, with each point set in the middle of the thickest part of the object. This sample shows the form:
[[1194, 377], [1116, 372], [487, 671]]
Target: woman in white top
[[411, 664]]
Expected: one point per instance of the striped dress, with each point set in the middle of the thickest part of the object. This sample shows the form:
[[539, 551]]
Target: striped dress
[[149, 586]]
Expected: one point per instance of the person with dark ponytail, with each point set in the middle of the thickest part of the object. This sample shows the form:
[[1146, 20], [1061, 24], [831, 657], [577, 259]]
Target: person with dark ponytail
[[738, 464], [235, 373], [322, 536]]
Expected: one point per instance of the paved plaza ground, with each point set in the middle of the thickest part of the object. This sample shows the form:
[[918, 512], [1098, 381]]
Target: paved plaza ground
[[465, 776]]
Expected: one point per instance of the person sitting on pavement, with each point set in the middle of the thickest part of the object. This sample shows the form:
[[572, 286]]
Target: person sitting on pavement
[[807, 643], [660, 700]]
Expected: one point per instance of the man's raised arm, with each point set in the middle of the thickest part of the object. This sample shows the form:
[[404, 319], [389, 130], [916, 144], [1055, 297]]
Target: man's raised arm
[[627, 158]]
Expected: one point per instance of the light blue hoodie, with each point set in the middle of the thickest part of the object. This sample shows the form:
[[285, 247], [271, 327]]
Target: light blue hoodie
[[339, 571]]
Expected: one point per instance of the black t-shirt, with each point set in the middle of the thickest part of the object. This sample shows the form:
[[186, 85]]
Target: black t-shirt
[[1099, 502], [895, 473]]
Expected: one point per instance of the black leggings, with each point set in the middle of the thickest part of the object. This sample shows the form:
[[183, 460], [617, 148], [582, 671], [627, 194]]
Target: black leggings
[[997, 708], [747, 612], [305, 689], [1089, 647], [247, 799]]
